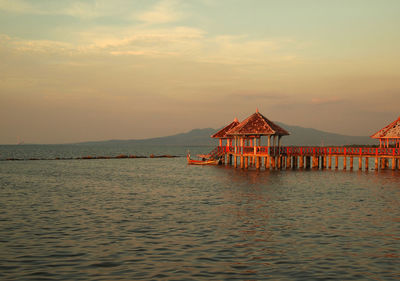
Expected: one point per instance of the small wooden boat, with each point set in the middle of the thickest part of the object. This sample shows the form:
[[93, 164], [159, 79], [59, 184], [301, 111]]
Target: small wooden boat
[[202, 162]]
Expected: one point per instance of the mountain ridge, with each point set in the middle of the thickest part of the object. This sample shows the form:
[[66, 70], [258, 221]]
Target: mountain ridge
[[299, 136]]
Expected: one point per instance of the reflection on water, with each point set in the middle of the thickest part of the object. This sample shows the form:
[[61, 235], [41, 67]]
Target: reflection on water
[[161, 219]]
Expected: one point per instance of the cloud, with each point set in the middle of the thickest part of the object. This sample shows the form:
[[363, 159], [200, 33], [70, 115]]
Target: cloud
[[241, 49], [258, 96], [246, 55], [77, 9], [327, 100], [155, 36], [37, 47], [17, 6], [82, 10], [176, 41], [186, 43], [164, 11]]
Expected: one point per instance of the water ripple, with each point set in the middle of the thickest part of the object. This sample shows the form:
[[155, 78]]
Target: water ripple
[[144, 220]]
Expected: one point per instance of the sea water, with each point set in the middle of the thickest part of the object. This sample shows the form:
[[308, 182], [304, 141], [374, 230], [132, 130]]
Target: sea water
[[160, 219]]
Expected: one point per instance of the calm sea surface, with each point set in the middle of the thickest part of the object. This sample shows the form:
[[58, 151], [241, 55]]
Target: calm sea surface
[[160, 219]]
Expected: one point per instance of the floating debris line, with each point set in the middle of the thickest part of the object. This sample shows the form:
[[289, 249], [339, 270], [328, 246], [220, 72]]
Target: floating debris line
[[89, 157]]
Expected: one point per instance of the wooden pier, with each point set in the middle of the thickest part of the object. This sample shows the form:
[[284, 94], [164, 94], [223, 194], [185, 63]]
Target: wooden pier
[[290, 157], [240, 146]]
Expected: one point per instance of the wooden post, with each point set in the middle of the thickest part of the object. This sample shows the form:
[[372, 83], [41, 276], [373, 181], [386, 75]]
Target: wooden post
[[241, 161], [280, 162], [246, 162], [316, 164], [242, 142], [360, 163], [273, 162], [288, 162], [344, 163], [330, 162], [301, 164], [324, 162], [366, 159], [383, 163], [308, 162], [337, 162], [376, 163], [257, 162], [393, 163], [294, 161], [351, 163], [266, 162]]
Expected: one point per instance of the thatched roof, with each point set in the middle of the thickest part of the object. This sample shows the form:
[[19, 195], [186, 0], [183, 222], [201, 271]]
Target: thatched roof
[[391, 131], [221, 134], [257, 124]]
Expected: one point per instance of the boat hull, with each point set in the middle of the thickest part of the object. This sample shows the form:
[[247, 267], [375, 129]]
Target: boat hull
[[202, 162], [199, 162]]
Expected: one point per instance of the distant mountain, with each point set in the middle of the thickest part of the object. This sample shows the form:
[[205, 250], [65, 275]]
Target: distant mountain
[[196, 137], [310, 137], [298, 136]]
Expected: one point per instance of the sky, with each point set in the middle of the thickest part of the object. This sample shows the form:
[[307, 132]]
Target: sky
[[74, 71]]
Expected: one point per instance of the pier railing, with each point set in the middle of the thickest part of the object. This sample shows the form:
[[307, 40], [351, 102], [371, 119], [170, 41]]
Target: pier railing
[[310, 151]]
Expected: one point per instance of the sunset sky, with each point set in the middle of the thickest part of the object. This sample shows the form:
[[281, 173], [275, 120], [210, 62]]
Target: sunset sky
[[75, 71]]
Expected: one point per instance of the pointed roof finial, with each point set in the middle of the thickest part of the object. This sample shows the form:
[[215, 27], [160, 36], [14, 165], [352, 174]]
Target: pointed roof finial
[[236, 120], [257, 110], [257, 125]]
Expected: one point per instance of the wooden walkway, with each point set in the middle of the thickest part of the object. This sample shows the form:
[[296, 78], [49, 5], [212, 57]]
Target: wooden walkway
[[309, 157]]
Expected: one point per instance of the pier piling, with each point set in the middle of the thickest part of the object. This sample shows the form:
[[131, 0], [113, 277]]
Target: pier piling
[[308, 162], [288, 163]]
